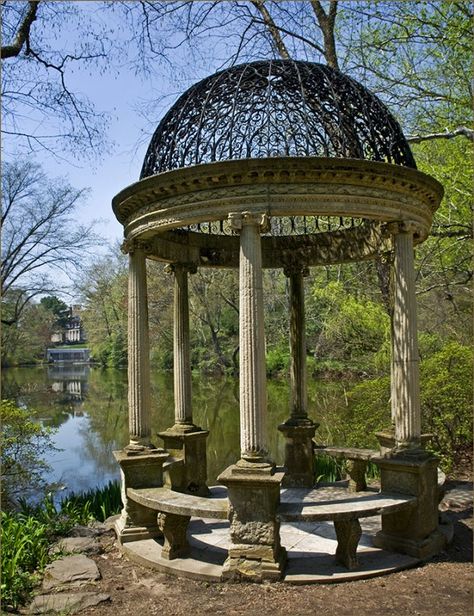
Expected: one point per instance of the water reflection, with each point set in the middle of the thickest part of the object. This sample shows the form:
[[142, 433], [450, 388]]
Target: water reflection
[[88, 406]]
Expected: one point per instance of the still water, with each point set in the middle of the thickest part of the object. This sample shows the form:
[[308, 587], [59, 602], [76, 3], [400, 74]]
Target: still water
[[87, 406]]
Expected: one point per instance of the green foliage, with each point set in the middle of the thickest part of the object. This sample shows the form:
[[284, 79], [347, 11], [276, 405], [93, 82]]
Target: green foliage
[[277, 360], [25, 543], [25, 341], [57, 307], [328, 469], [24, 443], [446, 399], [351, 329], [97, 504], [368, 412], [27, 536]]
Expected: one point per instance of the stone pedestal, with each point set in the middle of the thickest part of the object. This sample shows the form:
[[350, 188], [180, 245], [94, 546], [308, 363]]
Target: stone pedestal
[[413, 531], [299, 453], [142, 470], [174, 528], [255, 553], [189, 444]]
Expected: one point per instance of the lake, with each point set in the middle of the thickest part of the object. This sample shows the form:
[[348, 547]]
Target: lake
[[88, 408]]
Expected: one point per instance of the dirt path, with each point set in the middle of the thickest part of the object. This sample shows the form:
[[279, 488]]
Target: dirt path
[[442, 587]]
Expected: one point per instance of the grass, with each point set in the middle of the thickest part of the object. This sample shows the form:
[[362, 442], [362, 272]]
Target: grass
[[328, 469], [26, 536]]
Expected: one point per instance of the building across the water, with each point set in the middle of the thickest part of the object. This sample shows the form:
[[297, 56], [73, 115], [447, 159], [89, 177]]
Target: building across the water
[[71, 355], [73, 331]]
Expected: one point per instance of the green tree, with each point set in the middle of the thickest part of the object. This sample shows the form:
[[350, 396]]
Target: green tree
[[57, 307], [41, 237], [24, 443]]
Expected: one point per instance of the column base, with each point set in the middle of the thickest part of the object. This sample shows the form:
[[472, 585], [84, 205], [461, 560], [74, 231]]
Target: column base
[[138, 470], [412, 531], [422, 549], [188, 443], [299, 452], [387, 442], [255, 553]]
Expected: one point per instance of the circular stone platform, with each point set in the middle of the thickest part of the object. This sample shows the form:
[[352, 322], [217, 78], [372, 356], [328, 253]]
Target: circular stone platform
[[310, 549]]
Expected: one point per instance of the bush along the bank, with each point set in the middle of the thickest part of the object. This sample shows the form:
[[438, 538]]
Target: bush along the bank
[[446, 405], [27, 534]]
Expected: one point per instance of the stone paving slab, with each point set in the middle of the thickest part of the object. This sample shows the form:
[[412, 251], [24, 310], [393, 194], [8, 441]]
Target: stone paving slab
[[311, 552], [66, 603], [72, 570]]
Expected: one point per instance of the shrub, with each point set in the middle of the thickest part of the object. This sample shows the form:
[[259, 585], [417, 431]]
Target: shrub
[[446, 400]]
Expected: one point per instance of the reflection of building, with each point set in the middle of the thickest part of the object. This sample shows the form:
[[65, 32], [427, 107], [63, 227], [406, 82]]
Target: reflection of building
[[72, 331], [75, 388], [69, 379], [68, 355]]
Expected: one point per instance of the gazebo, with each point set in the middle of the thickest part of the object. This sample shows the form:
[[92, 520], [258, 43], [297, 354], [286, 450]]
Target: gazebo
[[273, 164]]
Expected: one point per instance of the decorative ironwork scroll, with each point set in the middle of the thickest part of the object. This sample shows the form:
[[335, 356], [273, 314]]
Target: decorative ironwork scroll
[[275, 108]]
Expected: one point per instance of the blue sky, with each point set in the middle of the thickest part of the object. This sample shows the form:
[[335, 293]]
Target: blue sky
[[121, 94]]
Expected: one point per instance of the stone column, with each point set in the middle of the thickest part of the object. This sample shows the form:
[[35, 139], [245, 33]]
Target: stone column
[[139, 403], [298, 429], [185, 440], [405, 356], [407, 468], [253, 386], [140, 462], [253, 485], [182, 362]]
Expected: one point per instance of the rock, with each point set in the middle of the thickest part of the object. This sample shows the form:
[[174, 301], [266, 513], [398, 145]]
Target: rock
[[69, 603], [109, 523], [75, 545], [84, 531], [71, 570]]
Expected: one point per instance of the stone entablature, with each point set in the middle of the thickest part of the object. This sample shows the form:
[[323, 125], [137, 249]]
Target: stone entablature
[[282, 187]]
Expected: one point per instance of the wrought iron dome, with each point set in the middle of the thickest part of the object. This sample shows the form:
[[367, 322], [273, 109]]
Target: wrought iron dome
[[301, 143], [275, 108]]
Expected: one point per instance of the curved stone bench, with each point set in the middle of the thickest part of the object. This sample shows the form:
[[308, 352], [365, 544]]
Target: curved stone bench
[[342, 507], [357, 460], [325, 503], [175, 509]]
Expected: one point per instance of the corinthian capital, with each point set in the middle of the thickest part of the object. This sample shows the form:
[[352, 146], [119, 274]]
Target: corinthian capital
[[240, 219], [404, 226]]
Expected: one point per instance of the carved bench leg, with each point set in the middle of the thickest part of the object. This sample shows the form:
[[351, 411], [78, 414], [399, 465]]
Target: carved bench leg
[[348, 533], [174, 529], [356, 470]]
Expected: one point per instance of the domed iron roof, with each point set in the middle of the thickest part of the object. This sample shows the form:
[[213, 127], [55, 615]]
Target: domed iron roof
[[275, 108]]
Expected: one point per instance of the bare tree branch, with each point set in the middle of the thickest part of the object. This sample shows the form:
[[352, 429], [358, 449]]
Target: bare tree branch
[[272, 28], [326, 23], [23, 33], [461, 131]]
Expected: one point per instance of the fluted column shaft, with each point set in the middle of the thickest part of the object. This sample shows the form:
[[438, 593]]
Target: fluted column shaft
[[182, 362], [405, 355], [139, 407], [253, 392], [298, 376]]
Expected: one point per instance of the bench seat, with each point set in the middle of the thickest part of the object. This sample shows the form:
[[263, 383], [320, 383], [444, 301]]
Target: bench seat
[[324, 503], [167, 501], [332, 503]]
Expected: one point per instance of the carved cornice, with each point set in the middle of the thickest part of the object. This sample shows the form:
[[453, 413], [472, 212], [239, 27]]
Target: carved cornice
[[188, 268], [163, 206], [129, 246]]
